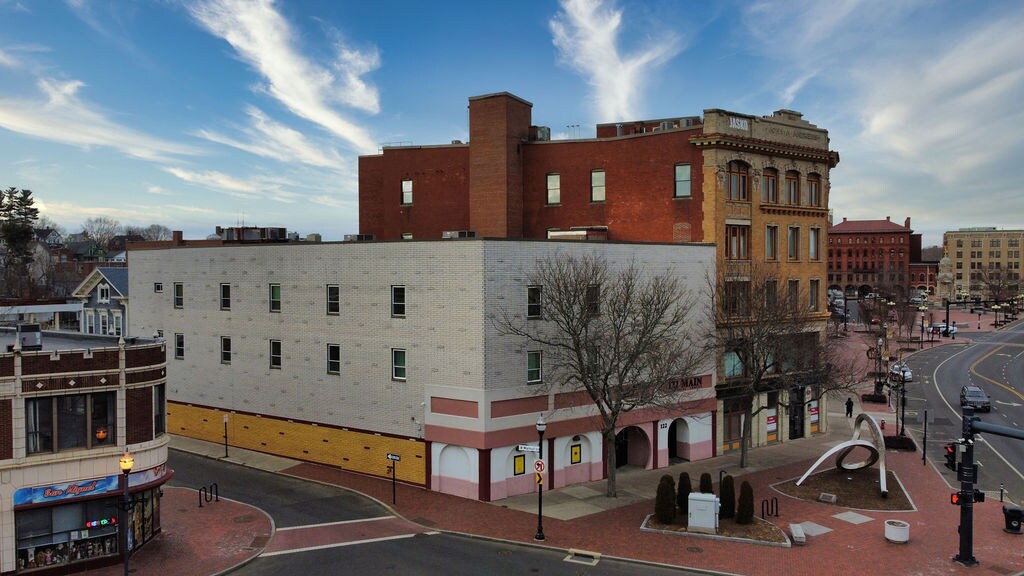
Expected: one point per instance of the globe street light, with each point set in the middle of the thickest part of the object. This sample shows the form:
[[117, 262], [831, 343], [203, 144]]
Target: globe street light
[[541, 426], [923, 309], [995, 310], [126, 463]]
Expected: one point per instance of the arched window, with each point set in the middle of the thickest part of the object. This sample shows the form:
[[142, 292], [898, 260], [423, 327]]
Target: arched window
[[814, 189], [770, 186], [738, 173], [792, 187]]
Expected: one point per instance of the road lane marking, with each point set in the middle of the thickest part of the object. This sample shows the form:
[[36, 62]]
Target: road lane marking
[[335, 523], [337, 545]]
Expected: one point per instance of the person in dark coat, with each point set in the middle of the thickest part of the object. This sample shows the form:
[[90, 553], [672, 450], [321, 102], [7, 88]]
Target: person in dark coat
[[849, 407]]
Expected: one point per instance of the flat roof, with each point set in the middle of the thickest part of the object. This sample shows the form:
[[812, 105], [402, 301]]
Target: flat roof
[[54, 340]]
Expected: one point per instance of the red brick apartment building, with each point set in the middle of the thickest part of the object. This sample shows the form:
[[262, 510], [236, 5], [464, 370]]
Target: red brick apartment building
[[757, 187], [878, 256]]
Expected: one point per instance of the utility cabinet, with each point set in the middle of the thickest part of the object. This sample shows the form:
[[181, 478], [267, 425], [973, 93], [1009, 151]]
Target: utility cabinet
[[703, 516]]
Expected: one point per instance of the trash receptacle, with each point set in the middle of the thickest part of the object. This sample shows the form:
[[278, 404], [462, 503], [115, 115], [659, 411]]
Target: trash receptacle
[[1013, 516]]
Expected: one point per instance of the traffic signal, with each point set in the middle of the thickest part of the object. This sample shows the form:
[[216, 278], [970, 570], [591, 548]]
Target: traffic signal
[[955, 499], [950, 452]]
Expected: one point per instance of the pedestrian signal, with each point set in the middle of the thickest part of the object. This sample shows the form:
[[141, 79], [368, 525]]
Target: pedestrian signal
[[950, 452], [954, 499]]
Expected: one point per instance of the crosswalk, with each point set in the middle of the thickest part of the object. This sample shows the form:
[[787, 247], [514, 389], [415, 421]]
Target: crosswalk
[[295, 539]]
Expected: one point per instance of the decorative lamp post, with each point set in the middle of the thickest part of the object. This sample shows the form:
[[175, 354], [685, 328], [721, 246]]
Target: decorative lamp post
[[541, 426], [923, 309], [879, 373], [995, 310], [126, 463]]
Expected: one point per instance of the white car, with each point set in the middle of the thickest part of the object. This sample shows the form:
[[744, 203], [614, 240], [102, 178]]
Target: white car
[[900, 371]]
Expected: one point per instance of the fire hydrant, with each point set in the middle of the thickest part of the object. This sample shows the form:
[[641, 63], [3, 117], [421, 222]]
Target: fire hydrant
[[883, 425]]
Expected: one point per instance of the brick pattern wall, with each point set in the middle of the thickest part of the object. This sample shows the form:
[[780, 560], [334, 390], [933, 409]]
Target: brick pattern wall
[[140, 356], [6, 366], [46, 363], [139, 415], [6, 429]]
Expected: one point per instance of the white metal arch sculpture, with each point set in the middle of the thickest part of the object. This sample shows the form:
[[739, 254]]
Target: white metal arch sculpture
[[875, 448]]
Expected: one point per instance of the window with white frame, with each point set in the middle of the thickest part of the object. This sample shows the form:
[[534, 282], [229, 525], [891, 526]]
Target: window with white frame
[[398, 301], [179, 295], [158, 287], [275, 297], [398, 367], [225, 350], [597, 185], [554, 186], [275, 353], [225, 296], [406, 191], [334, 359], [333, 299], [682, 181], [104, 320], [179, 346], [90, 321], [813, 243], [534, 361], [116, 324], [534, 308], [103, 293]]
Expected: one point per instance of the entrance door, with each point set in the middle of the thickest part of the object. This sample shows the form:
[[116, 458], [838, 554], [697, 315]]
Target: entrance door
[[796, 413]]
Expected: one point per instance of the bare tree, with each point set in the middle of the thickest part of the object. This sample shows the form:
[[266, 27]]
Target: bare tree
[[627, 338], [998, 283], [101, 230], [153, 232], [773, 342]]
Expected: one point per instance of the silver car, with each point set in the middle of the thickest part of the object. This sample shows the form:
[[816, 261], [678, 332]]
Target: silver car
[[976, 398]]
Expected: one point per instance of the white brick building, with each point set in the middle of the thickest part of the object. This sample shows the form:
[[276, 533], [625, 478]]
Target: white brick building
[[343, 352]]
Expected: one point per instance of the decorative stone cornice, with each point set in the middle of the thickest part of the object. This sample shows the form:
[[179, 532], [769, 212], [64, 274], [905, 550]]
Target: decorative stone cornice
[[732, 142]]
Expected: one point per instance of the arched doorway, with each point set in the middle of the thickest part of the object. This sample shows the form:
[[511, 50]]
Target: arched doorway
[[632, 447], [678, 441], [455, 473]]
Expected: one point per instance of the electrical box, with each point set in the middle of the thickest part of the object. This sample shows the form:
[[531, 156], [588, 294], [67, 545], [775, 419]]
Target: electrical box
[[703, 516]]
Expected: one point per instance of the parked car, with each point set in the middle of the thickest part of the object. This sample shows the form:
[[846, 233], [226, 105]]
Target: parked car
[[976, 398], [942, 327], [900, 371]]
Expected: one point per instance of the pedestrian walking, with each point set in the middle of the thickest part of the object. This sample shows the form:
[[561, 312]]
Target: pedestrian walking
[[849, 407]]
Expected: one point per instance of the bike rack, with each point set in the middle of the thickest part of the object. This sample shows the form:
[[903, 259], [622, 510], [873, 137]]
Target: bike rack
[[210, 494], [770, 508]]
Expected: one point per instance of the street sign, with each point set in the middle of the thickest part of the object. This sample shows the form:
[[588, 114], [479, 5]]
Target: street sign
[[538, 477], [528, 448], [394, 457], [538, 465]]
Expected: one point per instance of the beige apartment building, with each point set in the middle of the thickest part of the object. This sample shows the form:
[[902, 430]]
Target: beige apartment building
[[984, 262]]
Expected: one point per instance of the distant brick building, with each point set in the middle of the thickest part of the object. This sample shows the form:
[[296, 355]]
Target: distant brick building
[[879, 256], [757, 187]]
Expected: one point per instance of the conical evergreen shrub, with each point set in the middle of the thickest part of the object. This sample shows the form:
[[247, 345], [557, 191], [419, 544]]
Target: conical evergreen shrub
[[664, 501], [705, 483], [745, 510], [727, 497], [683, 496]]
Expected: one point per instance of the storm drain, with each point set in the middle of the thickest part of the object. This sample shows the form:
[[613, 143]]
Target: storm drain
[[583, 557]]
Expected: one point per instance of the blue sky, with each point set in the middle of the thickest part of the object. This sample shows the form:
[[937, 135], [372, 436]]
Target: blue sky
[[194, 114]]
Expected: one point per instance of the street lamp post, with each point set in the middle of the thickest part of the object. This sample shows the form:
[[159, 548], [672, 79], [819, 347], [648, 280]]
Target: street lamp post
[[541, 426], [126, 463], [995, 310], [923, 309]]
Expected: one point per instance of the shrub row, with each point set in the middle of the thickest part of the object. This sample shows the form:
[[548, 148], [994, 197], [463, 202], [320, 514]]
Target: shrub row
[[671, 498]]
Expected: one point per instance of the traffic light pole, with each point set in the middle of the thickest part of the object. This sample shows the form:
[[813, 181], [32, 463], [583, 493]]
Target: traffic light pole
[[967, 473]]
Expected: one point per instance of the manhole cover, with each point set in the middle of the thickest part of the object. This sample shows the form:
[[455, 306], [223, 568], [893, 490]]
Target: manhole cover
[[694, 549], [244, 519]]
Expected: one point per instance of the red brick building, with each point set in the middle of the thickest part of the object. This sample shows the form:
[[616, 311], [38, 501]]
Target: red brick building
[[878, 256]]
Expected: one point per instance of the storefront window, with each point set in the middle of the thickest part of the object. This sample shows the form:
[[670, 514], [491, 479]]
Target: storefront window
[[69, 422]]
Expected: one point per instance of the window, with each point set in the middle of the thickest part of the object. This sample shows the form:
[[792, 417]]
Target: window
[[792, 187], [225, 296], [158, 287], [116, 324], [179, 346], [179, 295], [813, 241], [597, 185], [533, 366], [334, 359], [682, 181], [275, 297], [103, 294], [737, 294], [333, 299], [275, 353], [225, 350], [554, 189], [104, 329], [813, 288], [793, 295], [770, 186], [733, 365], [794, 243], [398, 301], [736, 242], [593, 299], [69, 422], [814, 190], [406, 191], [533, 302], [159, 410], [771, 243], [398, 363], [771, 293], [737, 182], [406, 235]]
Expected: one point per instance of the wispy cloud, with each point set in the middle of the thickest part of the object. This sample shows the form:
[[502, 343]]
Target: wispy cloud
[[106, 20], [61, 116], [263, 39], [7, 60], [251, 188], [271, 139], [586, 33], [158, 190]]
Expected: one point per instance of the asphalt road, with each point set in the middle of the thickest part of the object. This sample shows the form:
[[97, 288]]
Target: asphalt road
[[994, 362], [294, 503]]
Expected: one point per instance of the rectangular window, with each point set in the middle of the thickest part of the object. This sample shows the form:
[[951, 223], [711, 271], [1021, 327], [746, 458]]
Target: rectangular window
[[104, 329], [179, 346], [70, 422], [275, 297], [179, 295], [770, 187], [333, 299], [159, 410], [792, 188], [116, 324], [533, 301], [794, 243], [813, 242], [593, 299], [158, 287], [103, 294], [682, 189], [771, 294], [334, 359], [813, 191], [225, 350], [737, 297], [533, 367], [733, 365], [813, 294], [275, 353], [225, 296], [398, 301], [793, 295], [406, 191], [406, 235], [554, 188], [736, 242], [398, 367], [597, 185], [771, 243]]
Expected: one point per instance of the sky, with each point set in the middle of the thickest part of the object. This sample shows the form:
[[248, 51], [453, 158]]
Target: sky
[[199, 113]]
